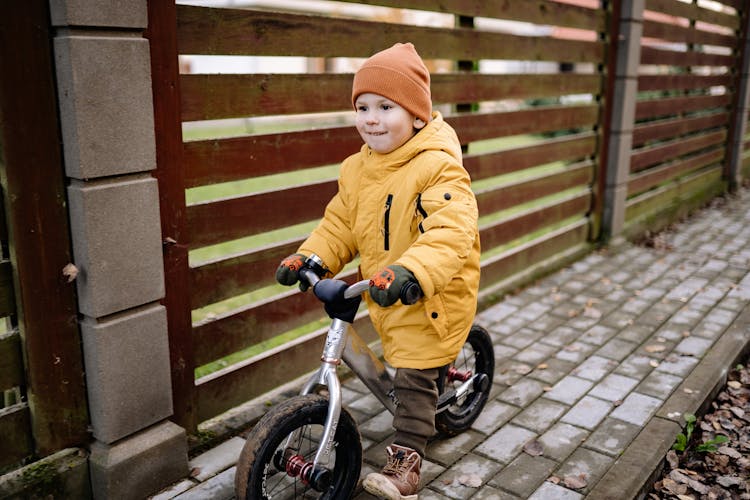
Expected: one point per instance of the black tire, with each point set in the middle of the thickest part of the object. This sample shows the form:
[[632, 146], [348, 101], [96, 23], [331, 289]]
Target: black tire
[[258, 478], [477, 356]]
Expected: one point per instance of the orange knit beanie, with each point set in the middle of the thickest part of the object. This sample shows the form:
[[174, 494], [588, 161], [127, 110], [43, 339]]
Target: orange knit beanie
[[399, 74]]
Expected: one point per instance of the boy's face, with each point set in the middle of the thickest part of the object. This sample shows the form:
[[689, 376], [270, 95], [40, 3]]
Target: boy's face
[[384, 125]]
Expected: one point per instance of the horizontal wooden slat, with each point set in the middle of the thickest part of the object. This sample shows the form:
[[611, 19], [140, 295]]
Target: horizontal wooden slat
[[493, 200], [530, 11], [210, 96], [682, 82], [668, 129], [477, 127], [224, 160], [532, 220], [670, 202], [525, 256], [694, 12], [15, 434], [7, 296], [653, 56], [238, 384], [642, 159], [11, 363], [231, 218], [653, 108], [208, 31], [681, 34], [566, 148], [227, 277], [651, 178]]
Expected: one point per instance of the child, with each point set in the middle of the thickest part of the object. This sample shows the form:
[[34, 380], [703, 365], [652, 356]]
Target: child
[[404, 205]]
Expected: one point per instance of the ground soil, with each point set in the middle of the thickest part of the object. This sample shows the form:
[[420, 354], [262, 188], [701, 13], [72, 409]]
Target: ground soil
[[709, 468]]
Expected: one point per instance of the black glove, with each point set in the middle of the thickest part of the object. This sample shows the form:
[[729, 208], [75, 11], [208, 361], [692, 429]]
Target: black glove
[[288, 271], [386, 284]]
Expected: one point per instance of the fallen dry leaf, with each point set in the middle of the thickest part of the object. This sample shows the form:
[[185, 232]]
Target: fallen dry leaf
[[654, 348], [470, 480], [533, 448], [575, 482]]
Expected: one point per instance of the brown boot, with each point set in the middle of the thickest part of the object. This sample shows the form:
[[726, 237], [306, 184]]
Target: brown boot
[[399, 479]]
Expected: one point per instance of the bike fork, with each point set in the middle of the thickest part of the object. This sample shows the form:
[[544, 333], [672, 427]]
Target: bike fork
[[316, 473]]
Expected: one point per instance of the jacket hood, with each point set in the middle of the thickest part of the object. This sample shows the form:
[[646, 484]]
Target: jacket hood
[[437, 135]]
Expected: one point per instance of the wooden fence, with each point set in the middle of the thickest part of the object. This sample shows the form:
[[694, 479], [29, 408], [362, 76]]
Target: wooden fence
[[526, 85]]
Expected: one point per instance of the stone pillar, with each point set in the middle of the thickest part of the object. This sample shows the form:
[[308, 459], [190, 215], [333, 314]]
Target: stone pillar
[[735, 146], [106, 111], [619, 138]]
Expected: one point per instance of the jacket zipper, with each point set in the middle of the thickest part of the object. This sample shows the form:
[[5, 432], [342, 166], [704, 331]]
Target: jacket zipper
[[386, 221]]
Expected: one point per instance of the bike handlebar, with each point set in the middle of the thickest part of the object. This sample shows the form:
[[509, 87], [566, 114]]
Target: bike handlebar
[[410, 292]]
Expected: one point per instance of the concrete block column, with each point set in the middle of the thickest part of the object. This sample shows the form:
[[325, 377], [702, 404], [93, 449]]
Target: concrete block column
[[742, 101], [622, 117], [104, 87]]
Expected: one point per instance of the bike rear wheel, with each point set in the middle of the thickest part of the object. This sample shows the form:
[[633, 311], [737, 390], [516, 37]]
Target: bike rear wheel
[[268, 469], [476, 357]]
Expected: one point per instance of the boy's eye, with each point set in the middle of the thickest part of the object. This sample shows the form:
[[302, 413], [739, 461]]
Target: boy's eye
[[386, 107], [361, 108]]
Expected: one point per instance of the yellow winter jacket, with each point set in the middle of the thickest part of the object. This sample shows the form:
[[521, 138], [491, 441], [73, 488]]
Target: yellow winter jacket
[[413, 207]]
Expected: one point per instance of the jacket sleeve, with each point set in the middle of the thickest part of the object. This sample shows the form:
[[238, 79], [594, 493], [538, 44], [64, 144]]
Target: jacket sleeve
[[448, 230], [332, 240]]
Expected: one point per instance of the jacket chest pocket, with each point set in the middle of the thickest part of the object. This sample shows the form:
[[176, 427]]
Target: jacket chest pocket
[[429, 203]]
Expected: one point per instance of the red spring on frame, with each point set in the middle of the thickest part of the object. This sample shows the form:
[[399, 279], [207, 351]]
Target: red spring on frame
[[454, 374], [297, 466]]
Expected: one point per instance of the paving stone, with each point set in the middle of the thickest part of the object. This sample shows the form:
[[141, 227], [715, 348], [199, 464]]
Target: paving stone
[[595, 368], [488, 492], [522, 338], [504, 351], [636, 307], [587, 413], [575, 352], [549, 491], [506, 443], [522, 392], [637, 365], [591, 464], [540, 415], [552, 370], [560, 440], [598, 335], [635, 333], [637, 408], [561, 336], [678, 365], [494, 415], [659, 384], [497, 312], [614, 387], [535, 354], [447, 451], [524, 475], [367, 405], [378, 427], [216, 459], [693, 346], [509, 372], [612, 436], [616, 349], [454, 483], [532, 311], [219, 487], [569, 390]]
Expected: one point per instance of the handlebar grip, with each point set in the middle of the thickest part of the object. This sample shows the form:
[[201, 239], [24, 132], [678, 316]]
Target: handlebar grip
[[410, 294]]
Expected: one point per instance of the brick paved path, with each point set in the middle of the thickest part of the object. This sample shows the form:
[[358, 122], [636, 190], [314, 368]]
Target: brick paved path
[[597, 362]]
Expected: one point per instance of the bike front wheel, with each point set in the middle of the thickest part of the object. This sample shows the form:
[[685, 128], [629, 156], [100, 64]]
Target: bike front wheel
[[273, 466], [477, 357]]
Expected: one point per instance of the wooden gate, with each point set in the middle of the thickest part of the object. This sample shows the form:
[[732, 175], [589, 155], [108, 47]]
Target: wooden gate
[[247, 157]]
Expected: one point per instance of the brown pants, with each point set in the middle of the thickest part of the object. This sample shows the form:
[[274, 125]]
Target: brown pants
[[417, 394]]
